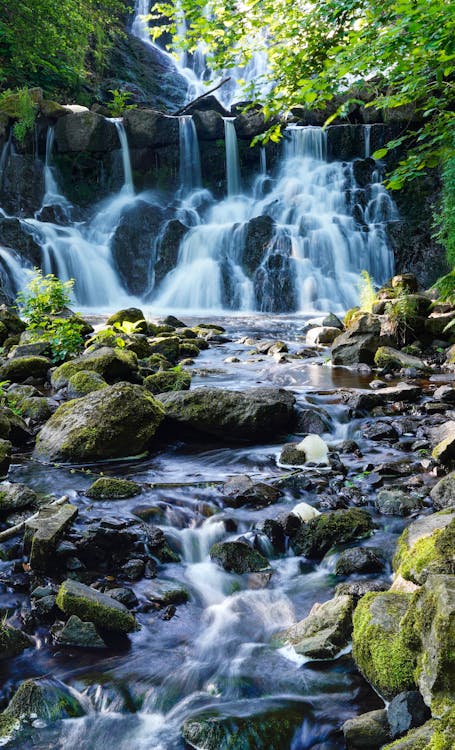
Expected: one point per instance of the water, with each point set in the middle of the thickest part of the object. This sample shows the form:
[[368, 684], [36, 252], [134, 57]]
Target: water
[[52, 195], [128, 184], [232, 158], [190, 161]]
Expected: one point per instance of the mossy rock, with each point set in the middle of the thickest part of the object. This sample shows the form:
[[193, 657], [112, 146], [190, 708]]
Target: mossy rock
[[157, 362], [46, 699], [188, 349], [89, 605], [16, 496], [379, 646], [12, 641], [204, 329], [109, 488], [5, 456], [11, 320], [35, 408], [391, 359], [84, 382], [21, 368], [117, 421], [436, 734], [168, 346], [315, 538], [238, 557], [425, 547], [170, 380], [129, 315], [325, 631], [112, 364]]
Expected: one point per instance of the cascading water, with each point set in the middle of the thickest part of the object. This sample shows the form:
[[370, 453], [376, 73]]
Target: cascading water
[[190, 162], [52, 195], [232, 158], [128, 184]]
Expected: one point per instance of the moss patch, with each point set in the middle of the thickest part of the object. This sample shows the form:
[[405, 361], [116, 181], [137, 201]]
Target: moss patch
[[108, 488], [171, 380], [89, 605], [430, 554]]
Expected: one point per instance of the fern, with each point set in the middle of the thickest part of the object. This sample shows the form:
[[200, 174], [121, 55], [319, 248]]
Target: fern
[[367, 292]]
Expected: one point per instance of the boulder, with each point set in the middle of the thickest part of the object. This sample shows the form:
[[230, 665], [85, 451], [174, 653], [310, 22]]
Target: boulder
[[365, 400], [147, 128], [313, 420], [406, 711], [90, 605], [12, 641], [16, 496], [44, 532], [324, 633], [359, 342], [46, 699], [165, 593], [322, 335], [251, 123], [167, 346], [114, 422], [209, 125], [21, 368], [84, 382], [5, 456], [109, 488], [405, 281], [168, 250], [395, 502], [357, 589], [434, 735], [255, 414], [132, 241], [379, 646], [443, 493], [85, 131], [388, 358], [241, 490], [239, 557], [360, 560], [445, 393], [315, 538], [426, 547], [36, 409], [444, 437], [112, 364], [172, 380], [128, 315], [368, 731], [259, 233], [77, 633]]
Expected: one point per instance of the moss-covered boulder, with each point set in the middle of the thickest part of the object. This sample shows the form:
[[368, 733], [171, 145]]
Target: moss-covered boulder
[[443, 439], [168, 347], [16, 496], [359, 342], [114, 422], [89, 605], [21, 368], [112, 364], [157, 363], [426, 546], [77, 633], [239, 557], [83, 382], [11, 320], [188, 349], [436, 734], [129, 315], [12, 641], [36, 409], [379, 646], [5, 456], [254, 414], [109, 488], [170, 380], [324, 633], [47, 699], [443, 493], [315, 538], [368, 731], [392, 359]]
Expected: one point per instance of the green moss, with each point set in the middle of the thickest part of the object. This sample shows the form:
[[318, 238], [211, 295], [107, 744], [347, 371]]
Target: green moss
[[157, 362], [35, 408], [85, 381], [171, 380], [109, 488], [21, 368], [91, 606], [379, 647], [112, 364], [429, 554], [188, 349], [12, 642], [169, 347], [9, 725], [436, 734]]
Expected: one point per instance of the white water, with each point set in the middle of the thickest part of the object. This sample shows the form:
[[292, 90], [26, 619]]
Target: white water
[[190, 161], [52, 194], [232, 158], [128, 184]]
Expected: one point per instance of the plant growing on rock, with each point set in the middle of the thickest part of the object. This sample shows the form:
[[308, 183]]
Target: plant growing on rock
[[119, 102], [367, 292], [402, 314], [21, 105]]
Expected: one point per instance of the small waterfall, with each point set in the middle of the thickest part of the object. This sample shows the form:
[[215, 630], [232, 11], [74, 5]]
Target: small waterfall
[[367, 136], [128, 184], [13, 274], [263, 161], [232, 158], [4, 156], [190, 162], [52, 195]]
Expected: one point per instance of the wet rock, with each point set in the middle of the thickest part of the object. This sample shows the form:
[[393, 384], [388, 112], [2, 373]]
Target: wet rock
[[21, 368], [147, 128], [392, 359], [13, 427], [5, 456], [44, 532], [77, 633], [322, 335], [324, 633], [256, 414], [238, 557], [379, 646], [172, 380], [241, 490], [36, 409], [443, 493], [133, 570], [83, 382], [426, 547], [365, 400], [421, 738], [90, 605], [260, 231], [357, 589], [112, 364], [12, 641], [332, 321], [15, 496], [359, 342], [168, 347], [274, 531], [314, 421], [311, 449], [109, 488], [168, 250], [368, 731], [406, 281], [209, 125], [164, 593], [395, 502], [44, 609], [320, 534], [117, 421], [445, 393], [85, 131], [125, 596], [406, 711], [360, 560], [380, 431]]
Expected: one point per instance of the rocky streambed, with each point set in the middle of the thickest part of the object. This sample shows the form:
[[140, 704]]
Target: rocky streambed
[[236, 544]]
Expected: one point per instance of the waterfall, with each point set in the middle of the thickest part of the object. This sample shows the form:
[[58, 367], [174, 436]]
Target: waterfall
[[263, 161], [190, 162], [128, 185], [367, 134], [14, 275], [52, 195], [232, 157]]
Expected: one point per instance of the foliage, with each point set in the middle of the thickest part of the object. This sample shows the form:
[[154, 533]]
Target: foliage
[[367, 292], [402, 314], [21, 105], [445, 221], [40, 303], [105, 337], [55, 45], [119, 102], [3, 394], [129, 328], [445, 287], [395, 54]]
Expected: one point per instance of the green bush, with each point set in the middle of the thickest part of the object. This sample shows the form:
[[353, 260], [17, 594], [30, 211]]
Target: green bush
[[119, 102]]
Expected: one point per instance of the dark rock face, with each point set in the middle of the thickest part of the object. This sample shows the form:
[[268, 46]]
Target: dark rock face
[[22, 185], [85, 131], [133, 244], [405, 712], [259, 234], [274, 284], [147, 128], [16, 235], [168, 249], [209, 125], [359, 343]]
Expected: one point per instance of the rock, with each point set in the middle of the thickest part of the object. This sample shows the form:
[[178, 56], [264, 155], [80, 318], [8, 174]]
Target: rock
[[133, 570], [45, 532], [256, 414], [305, 512], [137, 229], [391, 359], [271, 729], [444, 436], [85, 131], [324, 633], [313, 420], [77, 633], [129, 315], [365, 400], [426, 547], [5, 456], [432, 627], [117, 421], [274, 531], [443, 493], [423, 737], [368, 731], [322, 335], [380, 431], [168, 347], [112, 364], [165, 593], [320, 534], [360, 560], [379, 646], [359, 342], [16, 496], [406, 711], [332, 321], [21, 368], [406, 281], [395, 502], [84, 382], [445, 393], [75, 598], [260, 231], [147, 128], [357, 589], [209, 125], [36, 409], [172, 380], [109, 488], [311, 449], [125, 596], [16, 429], [241, 490], [47, 699], [238, 557], [12, 641]]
